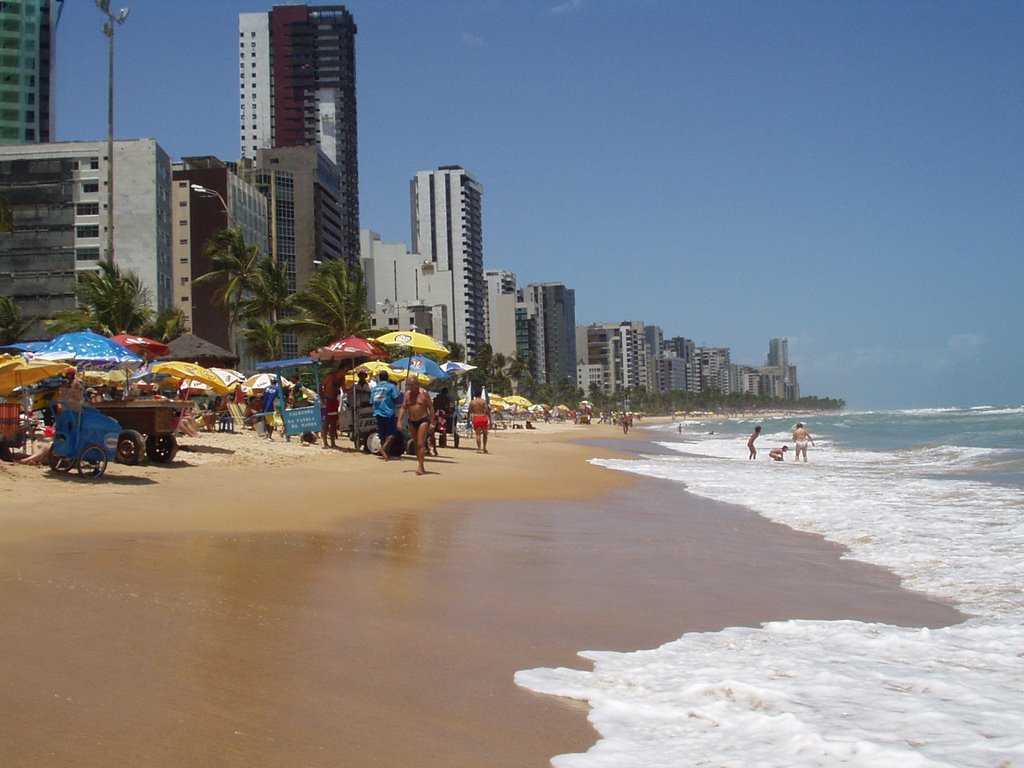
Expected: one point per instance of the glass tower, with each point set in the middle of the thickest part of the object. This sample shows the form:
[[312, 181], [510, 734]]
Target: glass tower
[[27, 44]]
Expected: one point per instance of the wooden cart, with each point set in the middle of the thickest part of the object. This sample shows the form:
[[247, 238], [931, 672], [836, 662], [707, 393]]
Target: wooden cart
[[145, 425]]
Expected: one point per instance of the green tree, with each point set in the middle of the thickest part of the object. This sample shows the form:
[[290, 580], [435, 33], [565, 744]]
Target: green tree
[[263, 338], [269, 296], [13, 323], [109, 302], [233, 268], [331, 305], [168, 325]]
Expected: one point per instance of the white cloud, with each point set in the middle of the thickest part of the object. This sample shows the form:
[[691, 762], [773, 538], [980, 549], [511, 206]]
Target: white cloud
[[965, 342], [569, 6]]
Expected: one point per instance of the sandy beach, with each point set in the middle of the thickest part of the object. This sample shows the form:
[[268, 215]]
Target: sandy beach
[[275, 604]]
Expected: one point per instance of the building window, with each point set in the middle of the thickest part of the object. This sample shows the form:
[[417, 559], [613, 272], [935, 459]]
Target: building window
[[87, 254], [91, 186], [87, 209], [184, 281], [183, 242], [92, 231]]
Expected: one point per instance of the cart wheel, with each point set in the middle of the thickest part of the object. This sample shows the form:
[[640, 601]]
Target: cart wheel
[[130, 445], [372, 444], [59, 463], [92, 462], [161, 448]]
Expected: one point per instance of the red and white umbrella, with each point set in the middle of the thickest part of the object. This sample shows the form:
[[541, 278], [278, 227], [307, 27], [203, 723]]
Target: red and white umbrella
[[350, 348], [147, 349]]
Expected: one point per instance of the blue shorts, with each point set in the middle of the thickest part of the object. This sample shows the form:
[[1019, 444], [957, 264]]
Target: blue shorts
[[386, 427]]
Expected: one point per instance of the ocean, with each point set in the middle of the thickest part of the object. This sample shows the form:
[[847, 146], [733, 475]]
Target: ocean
[[935, 496]]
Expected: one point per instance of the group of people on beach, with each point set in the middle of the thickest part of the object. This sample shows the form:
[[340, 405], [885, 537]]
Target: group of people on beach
[[801, 437]]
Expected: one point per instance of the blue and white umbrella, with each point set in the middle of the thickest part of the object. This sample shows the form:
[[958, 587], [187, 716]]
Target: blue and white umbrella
[[419, 364], [85, 349], [454, 368]]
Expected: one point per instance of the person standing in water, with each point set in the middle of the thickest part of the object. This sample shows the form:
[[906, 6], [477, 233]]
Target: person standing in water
[[750, 443], [801, 437]]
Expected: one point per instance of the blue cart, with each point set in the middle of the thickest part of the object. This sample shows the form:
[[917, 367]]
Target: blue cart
[[84, 438]]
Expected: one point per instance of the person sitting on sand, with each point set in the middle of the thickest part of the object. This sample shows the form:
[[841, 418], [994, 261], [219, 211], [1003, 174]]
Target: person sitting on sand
[[778, 453], [41, 455]]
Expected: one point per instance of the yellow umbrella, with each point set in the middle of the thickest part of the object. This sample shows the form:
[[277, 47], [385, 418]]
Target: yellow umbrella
[[417, 342], [261, 381], [519, 400], [16, 373], [191, 371], [105, 378]]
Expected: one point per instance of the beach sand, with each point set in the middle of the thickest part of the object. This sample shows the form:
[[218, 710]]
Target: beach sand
[[255, 604]]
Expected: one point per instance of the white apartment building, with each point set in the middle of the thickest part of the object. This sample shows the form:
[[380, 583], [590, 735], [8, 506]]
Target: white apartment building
[[501, 311], [447, 234]]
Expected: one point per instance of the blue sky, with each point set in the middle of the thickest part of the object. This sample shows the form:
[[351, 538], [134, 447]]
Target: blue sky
[[849, 175]]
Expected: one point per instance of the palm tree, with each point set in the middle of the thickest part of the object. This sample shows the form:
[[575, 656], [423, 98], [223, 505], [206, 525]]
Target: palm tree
[[109, 301], [269, 295], [263, 339], [233, 264], [168, 325], [12, 323], [332, 304]]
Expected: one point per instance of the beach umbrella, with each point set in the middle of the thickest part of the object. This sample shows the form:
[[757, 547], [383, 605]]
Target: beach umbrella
[[190, 371], [115, 378], [85, 349], [453, 368], [261, 381], [350, 348], [18, 372], [518, 400], [229, 376], [420, 364], [417, 342], [147, 349]]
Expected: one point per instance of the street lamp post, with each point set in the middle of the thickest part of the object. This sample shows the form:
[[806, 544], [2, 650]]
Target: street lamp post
[[108, 30], [199, 189]]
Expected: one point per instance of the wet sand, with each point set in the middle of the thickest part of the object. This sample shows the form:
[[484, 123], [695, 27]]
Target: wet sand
[[255, 605]]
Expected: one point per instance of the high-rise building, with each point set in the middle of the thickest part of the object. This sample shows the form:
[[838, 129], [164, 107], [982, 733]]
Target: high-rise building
[[778, 353], [297, 79], [551, 312], [208, 196], [57, 196], [28, 31], [447, 233], [501, 310]]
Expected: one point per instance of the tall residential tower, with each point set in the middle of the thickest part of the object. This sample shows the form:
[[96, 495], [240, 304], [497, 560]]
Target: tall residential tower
[[297, 82], [28, 31], [447, 233]]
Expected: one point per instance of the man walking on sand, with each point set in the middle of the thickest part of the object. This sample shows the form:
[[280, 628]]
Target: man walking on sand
[[384, 397], [478, 413], [418, 406]]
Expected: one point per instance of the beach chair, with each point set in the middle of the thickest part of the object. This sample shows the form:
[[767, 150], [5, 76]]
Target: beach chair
[[237, 416]]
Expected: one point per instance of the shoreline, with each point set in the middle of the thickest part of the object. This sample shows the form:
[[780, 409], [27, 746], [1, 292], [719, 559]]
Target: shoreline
[[228, 624]]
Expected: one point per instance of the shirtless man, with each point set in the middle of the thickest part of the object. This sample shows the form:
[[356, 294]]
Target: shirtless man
[[418, 406], [778, 454], [481, 422], [330, 392], [801, 437]]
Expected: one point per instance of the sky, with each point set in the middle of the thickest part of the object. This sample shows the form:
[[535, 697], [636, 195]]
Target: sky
[[848, 175]]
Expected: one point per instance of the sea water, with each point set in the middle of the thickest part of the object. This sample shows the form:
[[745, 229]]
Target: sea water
[[936, 496]]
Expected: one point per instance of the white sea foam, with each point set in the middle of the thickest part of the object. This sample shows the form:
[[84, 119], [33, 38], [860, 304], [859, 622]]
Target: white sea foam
[[816, 693]]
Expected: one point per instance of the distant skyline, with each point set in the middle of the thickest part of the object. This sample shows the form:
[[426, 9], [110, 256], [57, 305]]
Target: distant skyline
[[848, 175]]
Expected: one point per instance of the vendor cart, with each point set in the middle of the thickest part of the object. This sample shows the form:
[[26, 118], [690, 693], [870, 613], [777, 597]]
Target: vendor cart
[[145, 425], [83, 438]]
